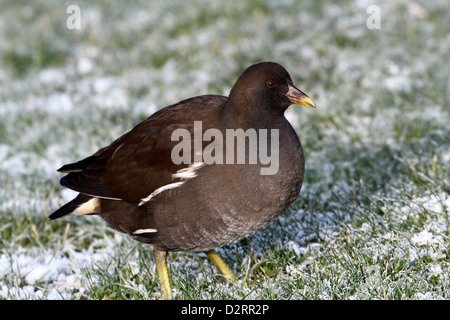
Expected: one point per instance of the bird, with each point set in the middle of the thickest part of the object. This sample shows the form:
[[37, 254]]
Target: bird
[[198, 174]]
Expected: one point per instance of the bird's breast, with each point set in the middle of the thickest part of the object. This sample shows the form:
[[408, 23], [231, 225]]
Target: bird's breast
[[218, 203]]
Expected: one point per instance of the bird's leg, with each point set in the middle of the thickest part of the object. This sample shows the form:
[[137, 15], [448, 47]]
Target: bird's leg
[[220, 264], [161, 267]]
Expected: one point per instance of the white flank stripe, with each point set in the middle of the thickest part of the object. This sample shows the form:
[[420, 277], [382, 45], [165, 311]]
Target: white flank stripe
[[184, 174], [159, 190], [141, 231], [189, 172], [101, 197]]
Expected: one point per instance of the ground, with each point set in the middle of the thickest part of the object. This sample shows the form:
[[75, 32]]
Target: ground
[[372, 218]]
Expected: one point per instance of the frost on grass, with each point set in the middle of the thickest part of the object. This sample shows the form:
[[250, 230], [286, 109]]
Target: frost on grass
[[372, 217], [38, 274]]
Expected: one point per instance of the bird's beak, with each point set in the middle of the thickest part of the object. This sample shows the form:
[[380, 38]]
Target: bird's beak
[[298, 97]]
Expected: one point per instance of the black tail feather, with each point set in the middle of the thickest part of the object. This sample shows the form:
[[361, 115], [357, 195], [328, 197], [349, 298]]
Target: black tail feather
[[70, 206], [64, 210]]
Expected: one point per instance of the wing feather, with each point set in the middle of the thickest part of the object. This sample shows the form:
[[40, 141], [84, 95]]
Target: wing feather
[[139, 162]]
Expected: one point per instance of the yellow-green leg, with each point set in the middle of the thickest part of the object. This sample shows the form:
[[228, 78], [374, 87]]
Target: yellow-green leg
[[163, 272], [220, 264]]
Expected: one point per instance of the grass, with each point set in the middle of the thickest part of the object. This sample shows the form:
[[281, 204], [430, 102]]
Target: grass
[[372, 219]]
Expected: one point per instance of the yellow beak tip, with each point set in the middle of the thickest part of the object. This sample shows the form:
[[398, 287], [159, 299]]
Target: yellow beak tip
[[298, 97], [305, 101]]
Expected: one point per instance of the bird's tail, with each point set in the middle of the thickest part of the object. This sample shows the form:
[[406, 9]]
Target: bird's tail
[[81, 205]]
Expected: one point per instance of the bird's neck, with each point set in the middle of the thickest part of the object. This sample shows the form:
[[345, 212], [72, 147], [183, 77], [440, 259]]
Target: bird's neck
[[242, 113]]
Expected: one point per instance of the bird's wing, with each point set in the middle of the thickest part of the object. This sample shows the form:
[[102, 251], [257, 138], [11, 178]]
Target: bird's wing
[[139, 162]]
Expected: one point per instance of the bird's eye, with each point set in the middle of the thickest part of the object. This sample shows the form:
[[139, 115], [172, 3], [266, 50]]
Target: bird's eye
[[270, 83]]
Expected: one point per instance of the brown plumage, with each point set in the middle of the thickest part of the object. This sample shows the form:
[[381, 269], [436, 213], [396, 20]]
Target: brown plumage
[[137, 188]]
